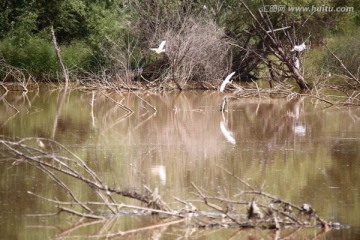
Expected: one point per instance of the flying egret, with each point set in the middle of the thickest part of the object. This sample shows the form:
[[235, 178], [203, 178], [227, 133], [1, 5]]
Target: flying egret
[[226, 81], [160, 49], [299, 48]]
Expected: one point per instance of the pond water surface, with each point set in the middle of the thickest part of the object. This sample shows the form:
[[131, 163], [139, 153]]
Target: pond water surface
[[297, 149]]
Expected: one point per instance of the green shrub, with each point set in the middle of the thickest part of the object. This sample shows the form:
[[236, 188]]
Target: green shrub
[[346, 48], [36, 56], [77, 57]]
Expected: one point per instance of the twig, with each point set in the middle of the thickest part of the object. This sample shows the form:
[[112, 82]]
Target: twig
[[214, 206], [347, 72], [123, 233], [95, 182], [62, 184], [236, 177], [153, 107], [76, 213], [119, 104], [271, 197]]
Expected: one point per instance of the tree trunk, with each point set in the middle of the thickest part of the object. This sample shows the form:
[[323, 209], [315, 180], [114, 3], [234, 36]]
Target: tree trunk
[[58, 57]]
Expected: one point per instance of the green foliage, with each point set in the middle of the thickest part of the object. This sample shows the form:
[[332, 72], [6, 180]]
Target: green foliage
[[347, 48], [88, 30], [72, 19], [77, 56], [318, 23], [36, 56], [81, 28]]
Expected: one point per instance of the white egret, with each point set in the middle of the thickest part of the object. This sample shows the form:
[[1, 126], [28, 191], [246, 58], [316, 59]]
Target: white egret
[[307, 209], [160, 49], [226, 81], [40, 143], [296, 62], [299, 48], [253, 211]]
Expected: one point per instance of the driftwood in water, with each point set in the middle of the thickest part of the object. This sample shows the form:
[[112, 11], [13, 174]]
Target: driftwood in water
[[249, 209]]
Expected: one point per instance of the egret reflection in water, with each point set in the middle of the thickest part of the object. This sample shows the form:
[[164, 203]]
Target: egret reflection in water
[[299, 130], [160, 171], [296, 110], [227, 133]]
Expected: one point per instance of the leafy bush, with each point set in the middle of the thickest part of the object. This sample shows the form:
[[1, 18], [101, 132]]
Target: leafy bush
[[80, 28], [346, 48], [36, 56], [77, 57]]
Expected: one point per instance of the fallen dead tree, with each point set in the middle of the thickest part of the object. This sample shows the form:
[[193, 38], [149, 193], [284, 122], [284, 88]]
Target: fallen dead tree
[[250, 208]]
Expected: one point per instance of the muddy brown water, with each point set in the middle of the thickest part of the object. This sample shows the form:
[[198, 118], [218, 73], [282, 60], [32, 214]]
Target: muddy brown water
[[297, 149]]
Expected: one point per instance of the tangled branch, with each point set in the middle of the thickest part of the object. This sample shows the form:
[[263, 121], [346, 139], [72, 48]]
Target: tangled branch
[[250, 208]]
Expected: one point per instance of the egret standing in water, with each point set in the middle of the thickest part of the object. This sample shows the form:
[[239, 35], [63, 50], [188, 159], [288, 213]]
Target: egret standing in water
[[226, 81], [160, 49]]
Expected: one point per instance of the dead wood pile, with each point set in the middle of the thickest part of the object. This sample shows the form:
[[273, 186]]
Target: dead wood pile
[[250, 208]]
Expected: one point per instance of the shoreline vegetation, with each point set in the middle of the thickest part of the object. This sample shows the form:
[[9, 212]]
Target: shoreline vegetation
[[107, 45]]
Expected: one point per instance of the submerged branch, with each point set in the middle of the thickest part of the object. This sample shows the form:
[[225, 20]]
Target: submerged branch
[[72, 168], [79, 214], [266, 212]]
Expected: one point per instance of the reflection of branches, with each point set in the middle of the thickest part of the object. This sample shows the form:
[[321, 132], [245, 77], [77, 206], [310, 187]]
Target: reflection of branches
[[71, 166], [60, 162], [144, 121], [153, 107], [3, 99], [119, 104], [128, 112], [92, 108], [58, 111], [162, 225]]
